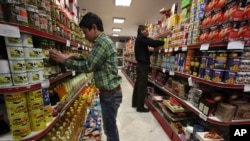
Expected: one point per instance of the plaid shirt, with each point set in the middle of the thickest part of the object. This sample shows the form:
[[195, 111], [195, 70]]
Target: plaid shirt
[[102, 61]]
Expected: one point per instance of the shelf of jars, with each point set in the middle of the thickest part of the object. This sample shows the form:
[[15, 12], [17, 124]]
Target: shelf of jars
[[29, 87], [35, 135], [201, 80], [32, 31], [211, 119]]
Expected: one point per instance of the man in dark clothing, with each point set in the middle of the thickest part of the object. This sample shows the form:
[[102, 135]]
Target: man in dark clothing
[[142, 55]]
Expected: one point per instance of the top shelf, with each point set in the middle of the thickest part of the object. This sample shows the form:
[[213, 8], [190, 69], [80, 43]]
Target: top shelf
[[35, 86], [32, 31]]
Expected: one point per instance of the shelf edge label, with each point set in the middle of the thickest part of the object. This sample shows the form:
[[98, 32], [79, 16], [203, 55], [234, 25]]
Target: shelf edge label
[[9, 31], [184, 48], [190, 81], [247, 88], [67, 43], [202, 116], [235, 45], [204, 46]]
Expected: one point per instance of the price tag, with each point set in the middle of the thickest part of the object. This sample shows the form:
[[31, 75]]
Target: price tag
[[45, 83], [170, 50], [247, 88], [184, 48], [235, 45], [202, 116], [190, 81], [176, 48], [86, 48], [90, 49], [171, 73], [159, 50], [79, 45], [165, 50], [83, 47], [9, 31], [163, 70], [67, 43], [73, 73], [204, 46]]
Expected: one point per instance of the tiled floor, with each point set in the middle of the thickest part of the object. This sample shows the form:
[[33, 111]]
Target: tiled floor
[[134, 126]]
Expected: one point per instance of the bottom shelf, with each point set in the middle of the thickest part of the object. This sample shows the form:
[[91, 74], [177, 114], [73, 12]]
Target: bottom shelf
[[164, 124]]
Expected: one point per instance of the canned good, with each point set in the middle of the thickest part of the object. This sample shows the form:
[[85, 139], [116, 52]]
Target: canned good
[[33, 53], [37, 121], [17, 66], [35, 76], [35, 95], [5, 80], [34, 65], [14, 110], [11, 41], [20, 132], [15, 53], [14, 98], [19, 121], [19, 79], [48, 113], [35, 106]]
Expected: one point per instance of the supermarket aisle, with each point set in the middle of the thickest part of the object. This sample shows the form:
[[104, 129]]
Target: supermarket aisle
[[134, 126]]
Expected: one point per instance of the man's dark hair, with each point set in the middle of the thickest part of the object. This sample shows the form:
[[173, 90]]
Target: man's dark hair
[[140, 28], [89, 19]]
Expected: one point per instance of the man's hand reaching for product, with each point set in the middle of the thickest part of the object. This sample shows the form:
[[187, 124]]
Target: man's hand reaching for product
[[58, 56]]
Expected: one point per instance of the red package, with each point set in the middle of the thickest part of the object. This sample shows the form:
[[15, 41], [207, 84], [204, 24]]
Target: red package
[[218, 16], [204, 35], [247, 10], [214, 33], [244, 26], [225, 30], [219, 3], [210, 5], [229, 10], [234, 34]]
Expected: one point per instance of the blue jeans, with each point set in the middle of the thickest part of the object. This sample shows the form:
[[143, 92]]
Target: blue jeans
[[110, 102]]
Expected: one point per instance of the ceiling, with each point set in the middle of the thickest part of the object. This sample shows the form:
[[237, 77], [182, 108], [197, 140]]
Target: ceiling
[[140, 12]]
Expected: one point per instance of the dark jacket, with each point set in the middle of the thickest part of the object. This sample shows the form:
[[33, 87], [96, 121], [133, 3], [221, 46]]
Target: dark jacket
[[141, 48]]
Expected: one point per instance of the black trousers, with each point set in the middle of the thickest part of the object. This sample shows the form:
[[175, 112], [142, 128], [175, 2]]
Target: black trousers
[[140, 88]]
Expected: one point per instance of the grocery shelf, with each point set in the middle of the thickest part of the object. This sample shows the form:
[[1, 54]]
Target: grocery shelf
[[39, 134], [29, 87], [32, 31], [201, 80], [187, 104]]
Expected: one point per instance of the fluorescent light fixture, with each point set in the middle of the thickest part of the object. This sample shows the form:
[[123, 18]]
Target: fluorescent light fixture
[[117, 29], [114, 34], [118, 20], [123, 2]]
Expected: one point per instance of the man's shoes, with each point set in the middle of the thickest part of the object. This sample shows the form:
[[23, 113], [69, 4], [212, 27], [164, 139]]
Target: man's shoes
[[143, 110]]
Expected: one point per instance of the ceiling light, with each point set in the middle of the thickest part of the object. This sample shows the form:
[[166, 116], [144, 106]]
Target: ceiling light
[[117, 29], [114, 34], [118, 20], [123, 2]]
